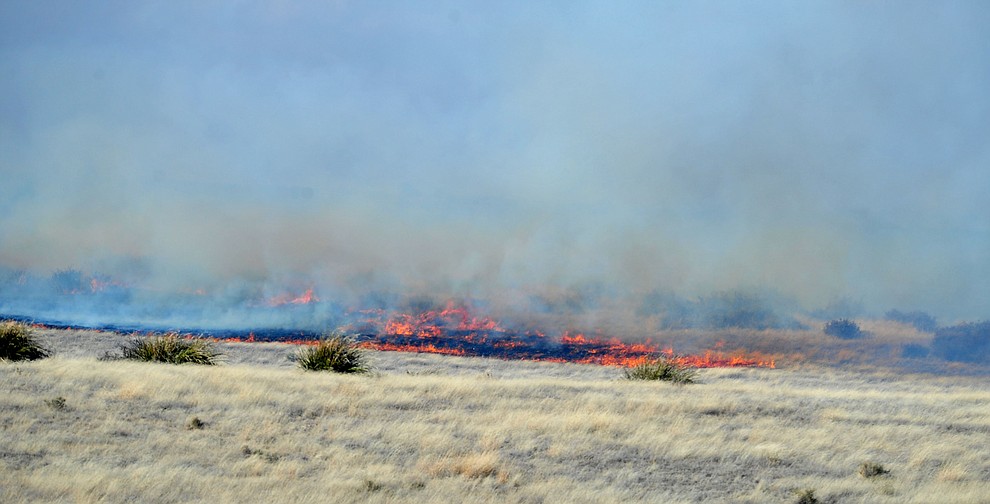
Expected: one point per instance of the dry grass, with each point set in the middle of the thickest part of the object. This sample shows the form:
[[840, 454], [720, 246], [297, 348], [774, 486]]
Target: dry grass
[[446, 429]]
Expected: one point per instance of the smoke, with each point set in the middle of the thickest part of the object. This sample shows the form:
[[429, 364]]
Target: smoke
[[245, 149]]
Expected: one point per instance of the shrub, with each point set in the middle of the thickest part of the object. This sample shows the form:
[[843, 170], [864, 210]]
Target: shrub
[[871, 470], [843, 328], [334, 352], [969, 342], [171, 349], [662, 369], [919, 319], [17, 343]]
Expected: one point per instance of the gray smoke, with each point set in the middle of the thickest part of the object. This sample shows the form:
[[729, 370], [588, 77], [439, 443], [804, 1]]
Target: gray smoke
[[245, 149]]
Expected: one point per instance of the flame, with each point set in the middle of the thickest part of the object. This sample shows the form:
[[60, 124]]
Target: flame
[[414, 348], [286, 298], [432, 323], [453, 330]]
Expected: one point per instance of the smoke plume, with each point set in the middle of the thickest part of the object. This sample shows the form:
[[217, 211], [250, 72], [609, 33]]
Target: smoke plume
[[519, 155]]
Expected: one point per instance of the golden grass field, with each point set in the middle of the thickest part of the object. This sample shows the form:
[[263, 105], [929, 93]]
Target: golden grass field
[[427, 428]]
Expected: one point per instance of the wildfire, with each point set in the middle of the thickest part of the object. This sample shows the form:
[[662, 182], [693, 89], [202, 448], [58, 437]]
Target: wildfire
[[432, 323], [454, 332], [286, 298]]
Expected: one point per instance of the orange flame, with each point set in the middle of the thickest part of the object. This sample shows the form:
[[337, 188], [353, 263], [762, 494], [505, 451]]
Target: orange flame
[[455, 331], [286, 298]]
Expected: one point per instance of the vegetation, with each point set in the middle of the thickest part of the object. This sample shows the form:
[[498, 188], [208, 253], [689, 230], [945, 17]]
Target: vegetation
[[871, 470], [662, 369], [56, 403], [919, 319], [807, 496], [170, 348], [334, 352], [844, 329], [968, 342], [194, 423], [17, 343]]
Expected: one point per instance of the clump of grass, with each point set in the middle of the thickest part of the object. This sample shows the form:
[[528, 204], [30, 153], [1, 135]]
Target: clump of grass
[[334, 352], [247, 451], [170, 348], [17, 343], [56, 403], [807, 496], [194, 423], [872, 470], [662, 369]]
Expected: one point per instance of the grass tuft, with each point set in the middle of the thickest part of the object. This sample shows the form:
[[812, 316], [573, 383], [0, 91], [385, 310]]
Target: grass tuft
[[194, 423], [17, 343], [872, 470], [807, 496], [170, 348], [334, 352], [56, 403], [662, 369]]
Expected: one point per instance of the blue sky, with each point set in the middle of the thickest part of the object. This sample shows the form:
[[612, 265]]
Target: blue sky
[[820, 149]]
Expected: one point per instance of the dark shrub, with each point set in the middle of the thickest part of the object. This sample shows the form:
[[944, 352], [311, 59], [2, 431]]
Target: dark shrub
[[969, 342], [17, 343], [843, 328], [919, 319]]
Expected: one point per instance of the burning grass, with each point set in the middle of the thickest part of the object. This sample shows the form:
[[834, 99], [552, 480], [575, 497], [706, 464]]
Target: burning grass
[[17, 343], [169, 348]]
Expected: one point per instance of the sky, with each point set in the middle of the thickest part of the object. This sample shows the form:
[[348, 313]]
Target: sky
[[822, 150]]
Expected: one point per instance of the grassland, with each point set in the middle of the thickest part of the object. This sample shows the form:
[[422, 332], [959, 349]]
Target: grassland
[[426, 428]]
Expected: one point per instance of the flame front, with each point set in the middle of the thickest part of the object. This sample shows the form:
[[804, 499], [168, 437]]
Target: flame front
[[454, 331]]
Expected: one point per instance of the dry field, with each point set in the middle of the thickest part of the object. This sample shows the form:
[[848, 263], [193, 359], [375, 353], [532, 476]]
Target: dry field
[[429, 428]]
